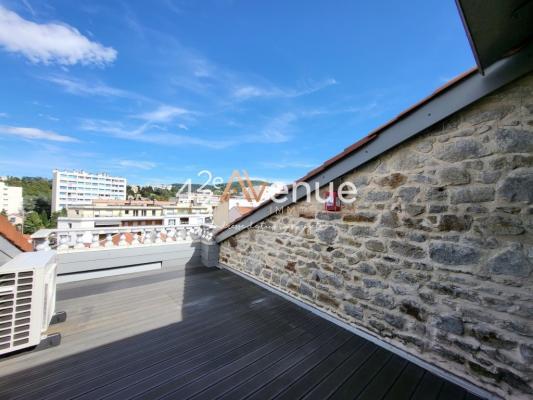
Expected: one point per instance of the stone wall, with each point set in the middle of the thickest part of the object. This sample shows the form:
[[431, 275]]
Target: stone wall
[[435, 256]]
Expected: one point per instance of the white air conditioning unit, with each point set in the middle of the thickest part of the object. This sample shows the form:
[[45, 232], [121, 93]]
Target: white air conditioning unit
[[27, 299]]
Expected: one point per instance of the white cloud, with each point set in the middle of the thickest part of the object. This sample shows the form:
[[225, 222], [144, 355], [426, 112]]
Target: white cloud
[[164, 113], [29, 7], [50, 43], [146, 165], [80, 87], [35, 134], [148, 134], [251, 91], [49, 117], [277, 130], [183, 126]]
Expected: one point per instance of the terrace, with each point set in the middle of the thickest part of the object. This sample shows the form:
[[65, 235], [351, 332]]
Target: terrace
[[196, 332], [421, 290]]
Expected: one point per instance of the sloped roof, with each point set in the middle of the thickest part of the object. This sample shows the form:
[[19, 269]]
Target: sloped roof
[[456, 94], [16, 238]]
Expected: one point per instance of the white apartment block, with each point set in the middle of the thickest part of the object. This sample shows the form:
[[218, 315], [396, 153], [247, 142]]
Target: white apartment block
[[77, 188], [10, 199]]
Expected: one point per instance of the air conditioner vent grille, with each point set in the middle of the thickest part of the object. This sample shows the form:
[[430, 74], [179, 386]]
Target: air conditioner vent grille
[[15, 308]]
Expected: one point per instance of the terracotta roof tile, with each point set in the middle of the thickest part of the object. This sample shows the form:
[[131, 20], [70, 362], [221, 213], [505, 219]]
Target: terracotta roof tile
[[16, 238]]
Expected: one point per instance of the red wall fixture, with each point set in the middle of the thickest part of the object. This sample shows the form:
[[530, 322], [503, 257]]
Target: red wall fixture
[[333, 203]]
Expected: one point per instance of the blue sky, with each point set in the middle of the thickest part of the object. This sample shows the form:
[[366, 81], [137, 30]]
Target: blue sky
[[157, 91]]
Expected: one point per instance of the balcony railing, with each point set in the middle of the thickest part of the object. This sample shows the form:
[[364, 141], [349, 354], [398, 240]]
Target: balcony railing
[[68, 240]]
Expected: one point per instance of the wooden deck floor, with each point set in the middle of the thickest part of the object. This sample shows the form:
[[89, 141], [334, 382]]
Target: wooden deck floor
[[204, 334]]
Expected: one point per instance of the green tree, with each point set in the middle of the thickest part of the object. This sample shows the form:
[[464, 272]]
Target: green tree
[[32, 223], [42, 204], [55, 215], [44, 218]]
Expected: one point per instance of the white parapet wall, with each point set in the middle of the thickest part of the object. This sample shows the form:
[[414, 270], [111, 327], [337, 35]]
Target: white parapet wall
[[87, 254], [128, 259]]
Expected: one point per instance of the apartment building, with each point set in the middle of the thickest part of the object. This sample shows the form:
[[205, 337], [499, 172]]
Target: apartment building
[[198, 197], [117, 213], [10, 199], [77, 188]]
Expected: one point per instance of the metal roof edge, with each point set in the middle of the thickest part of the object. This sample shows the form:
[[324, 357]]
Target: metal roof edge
[[452, 97]]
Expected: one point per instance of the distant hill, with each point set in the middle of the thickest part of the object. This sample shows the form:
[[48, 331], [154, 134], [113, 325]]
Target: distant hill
[[36, 192], [221, 187], [37, 199], [164, 194]]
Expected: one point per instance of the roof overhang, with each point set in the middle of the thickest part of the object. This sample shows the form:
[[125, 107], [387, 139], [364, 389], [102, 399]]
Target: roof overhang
[[496, 28]]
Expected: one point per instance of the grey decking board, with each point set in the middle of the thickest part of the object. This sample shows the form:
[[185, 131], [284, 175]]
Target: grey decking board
[[133, 372], [275, 386], [363, 375], [342, 373], [222, 386], [219, 381], [263, 354], [170, 382], [318, 373], [248, 387], [214, 320], [78, 289], [115, 385], [428, 387], [67, 387], [163, 341], [449, 391], [406, 384], [232, 333], [382, 381]]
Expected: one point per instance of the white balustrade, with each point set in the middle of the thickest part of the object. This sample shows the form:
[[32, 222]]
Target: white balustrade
[[158, 236], [79, 241], [64, 239], [91, 239], [95, 240], [122, 240], [148, 237], [135, 238], [109, 240]]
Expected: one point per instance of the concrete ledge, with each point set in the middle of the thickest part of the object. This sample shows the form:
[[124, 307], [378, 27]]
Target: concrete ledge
[[128, 257]]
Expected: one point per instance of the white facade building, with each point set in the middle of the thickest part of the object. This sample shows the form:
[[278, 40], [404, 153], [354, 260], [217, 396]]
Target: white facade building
[[161, 186], [131, 213], [76, 188], [199, 197], [10, 199]]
